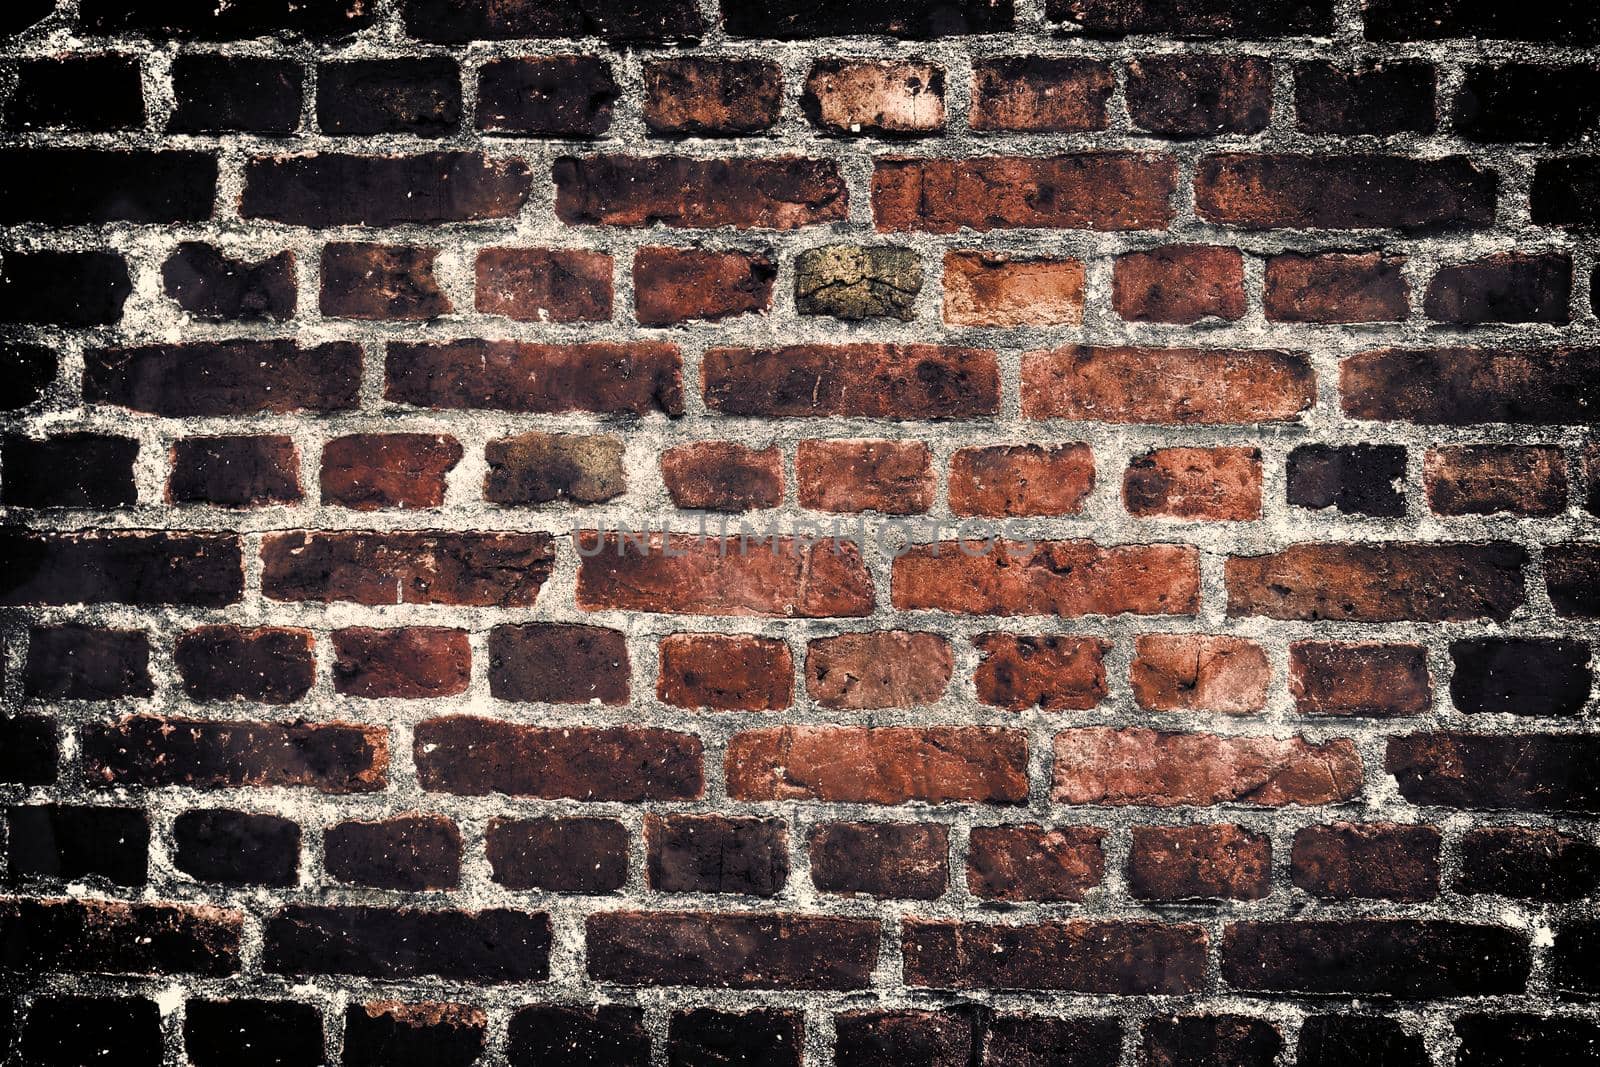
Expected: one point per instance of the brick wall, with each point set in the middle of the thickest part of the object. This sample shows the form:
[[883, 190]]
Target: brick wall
[[348, 342]]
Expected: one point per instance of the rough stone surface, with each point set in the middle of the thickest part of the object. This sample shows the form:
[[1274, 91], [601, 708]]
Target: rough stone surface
[[851, 282]]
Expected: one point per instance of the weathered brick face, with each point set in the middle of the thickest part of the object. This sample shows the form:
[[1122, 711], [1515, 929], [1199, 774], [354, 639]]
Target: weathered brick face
[[799, 533]]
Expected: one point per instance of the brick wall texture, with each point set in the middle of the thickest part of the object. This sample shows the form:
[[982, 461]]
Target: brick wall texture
[[423, 424]]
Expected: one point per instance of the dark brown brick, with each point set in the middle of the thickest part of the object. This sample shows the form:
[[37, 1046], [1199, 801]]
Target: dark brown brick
[[200, 378], [68, 842], [725, 672], [235, 94], [409, 852], [1021, 863], [1524, 863], [723, 476], [235, 472], [707, 1036], [95, 93], [1572, 579], [731, 951], [325, 189], [714, 854], [368, 96], [211, 285], [64, 288], [865, 380], [635, 378], [1206, 1040], [1359, 679], [606, 1034], [227, 1033], [1373, 860], [490, 946], [1336, 287], [236, 847], [558, 663], [206, 22], [1197, 18], [29, 750], [74, 662], [1374, 97], [391, 1034], [1040, 94], [120, 567], [1344, 192], [70, 186], [409, 663], [1403, 957], [576, 855], [143, 750], [406, 567], [44, 936], [459, 21], [381, 282], [898, 860], [474, 757], [799, 19], [1120, 957], [550, 96], [1199, 96], [79, 1029], [71, 470], [1529, 772], [780, 194], [1512, 287], [272, 665]]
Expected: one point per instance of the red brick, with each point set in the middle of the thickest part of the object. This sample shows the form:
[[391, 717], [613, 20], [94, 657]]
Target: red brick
[[892, 477], [782, 193], [143, 750], [1383, 860], [1087, 191], [1336, 287], [1040, 94], [373, 471], [1219, 862], [1206, 484], [725, 672], [1393, 581], [723, 476], [715, 576], [415, 662], [1102, 765], [994, 289], [710, 96], [866, 380], [1359, 679], [1179, 283], [673, 285], [909, 861], [1186, 96], [224, 378], [1199, 672], [559, 663], [382, 282], [1020, 480], [544, 284], [1067, 578], [406, 567], [633, 378], [1489, 479], [269, 664], [879, 765], [1118, 957], [1020, 863], [475, 757], [732, 951], [1181, 386], [1054, 672], [846, 96], [1343, 192], [887, 669]]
